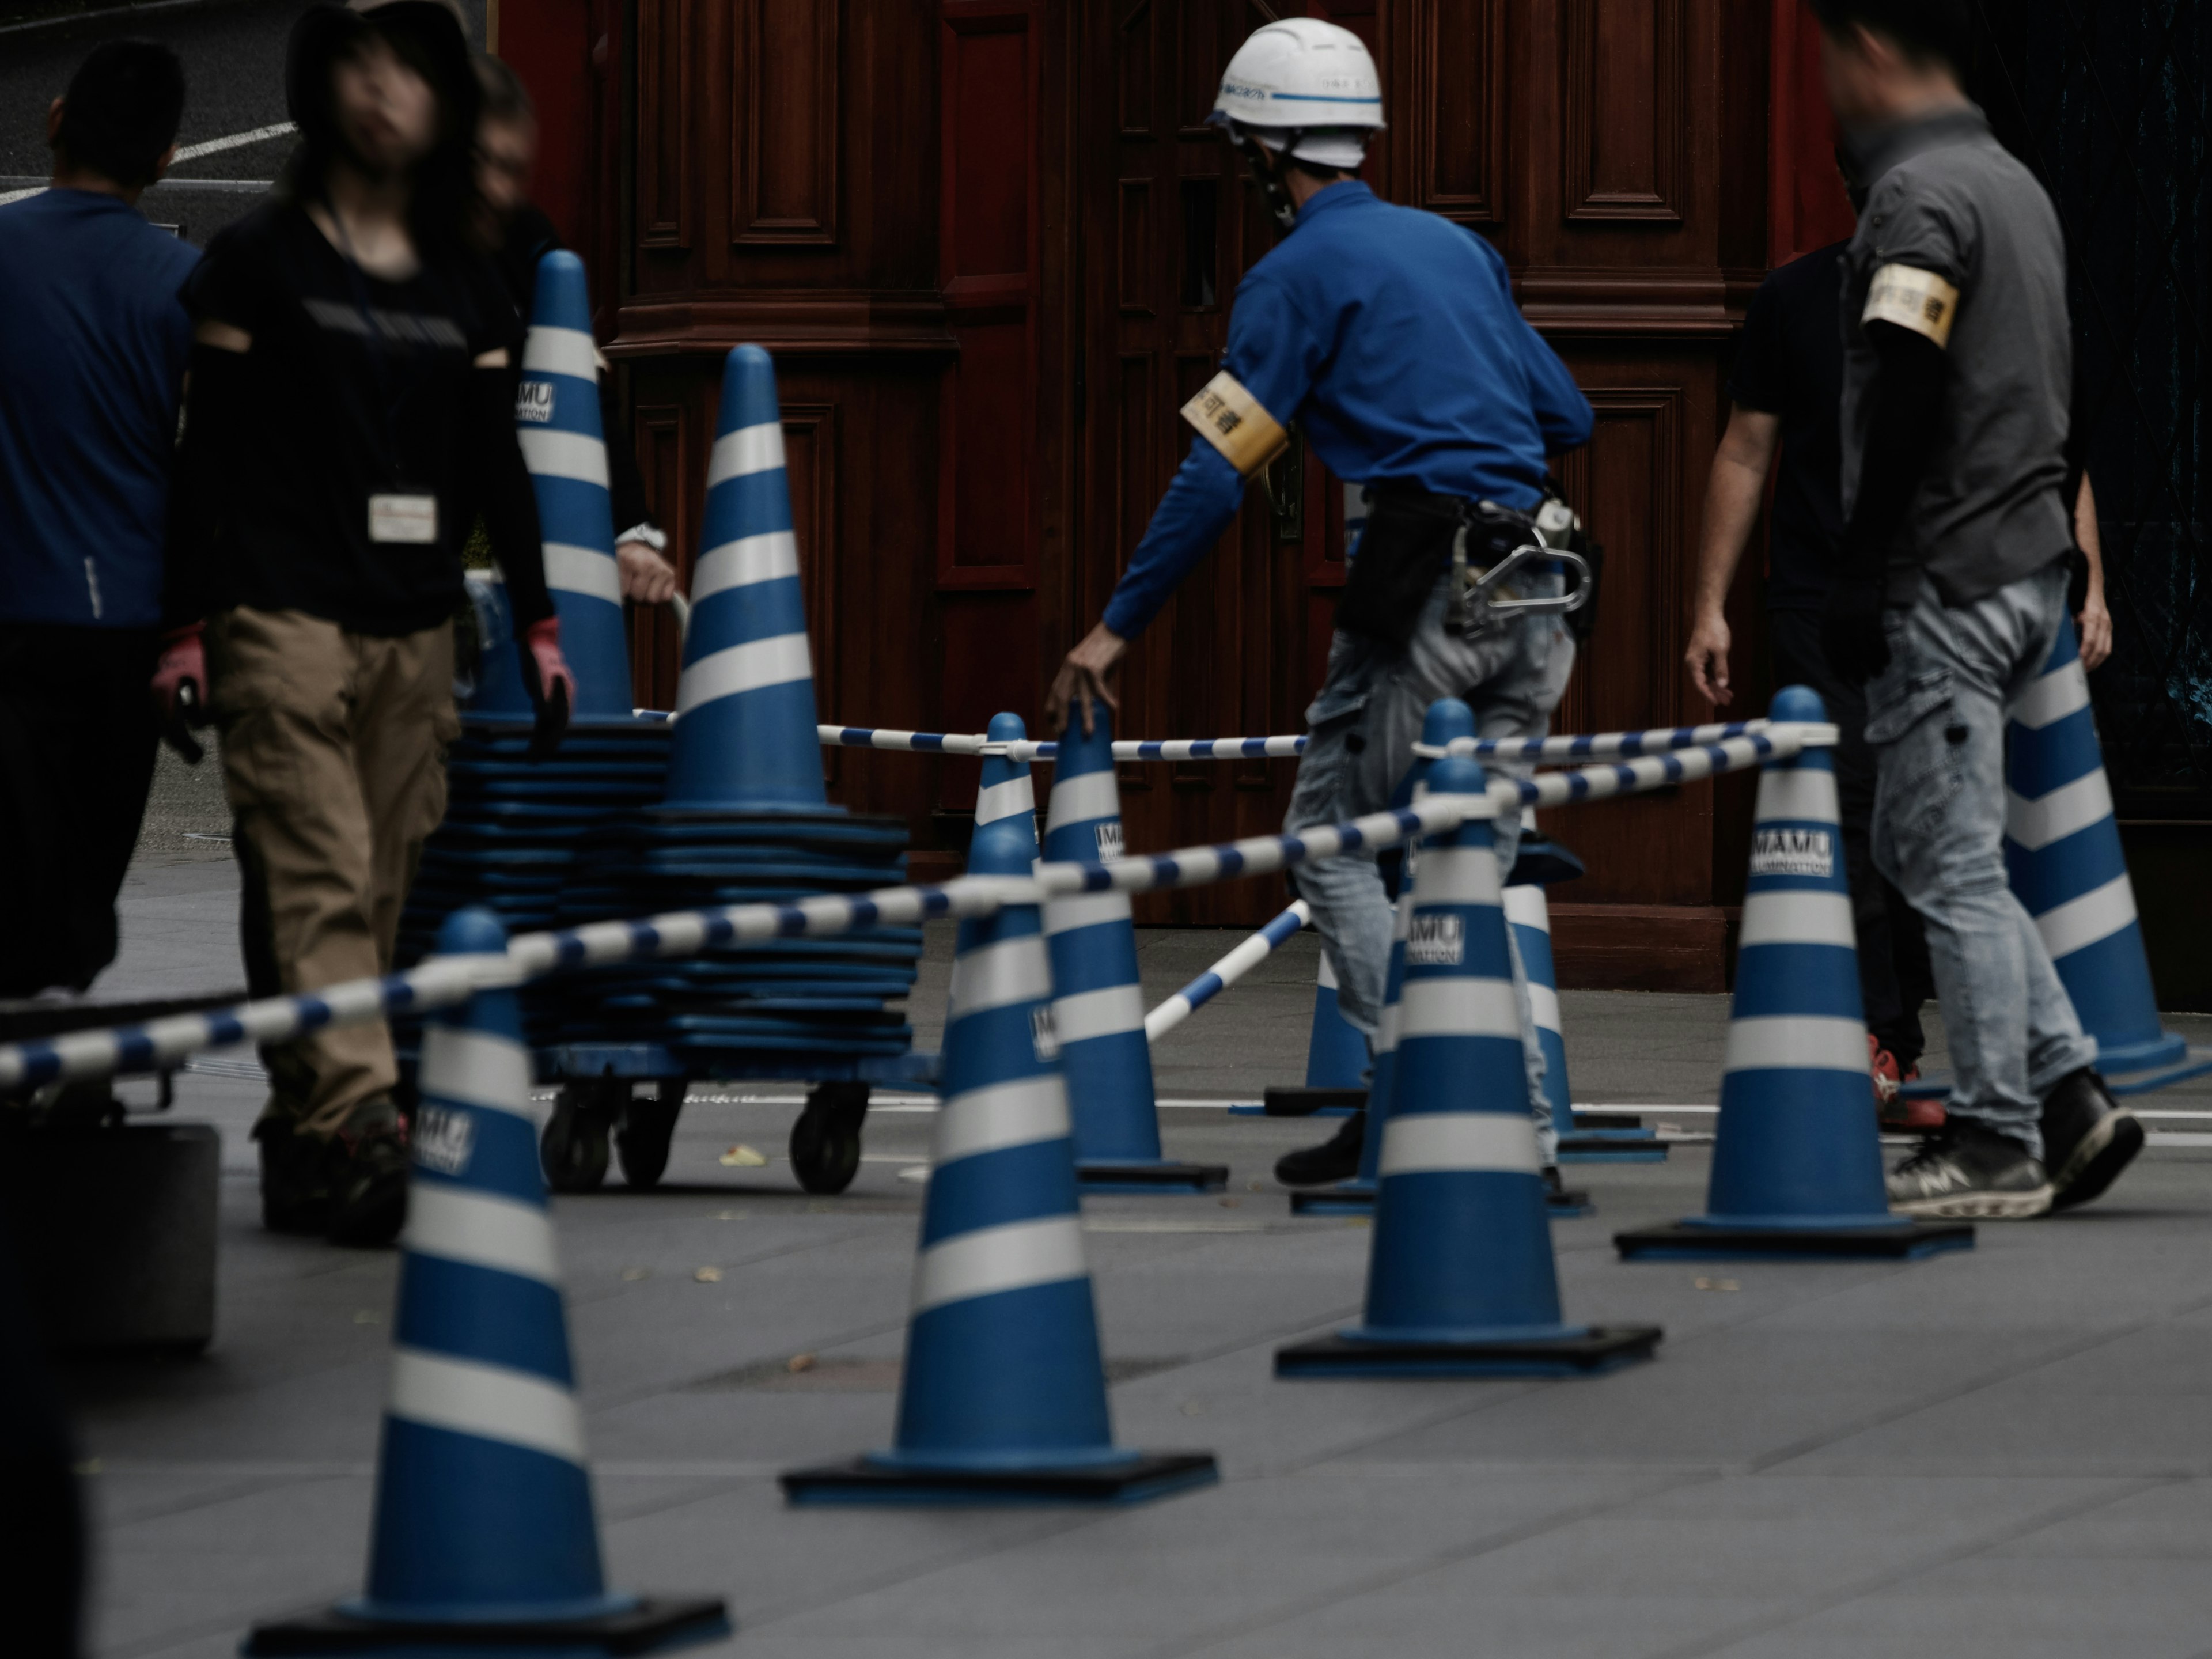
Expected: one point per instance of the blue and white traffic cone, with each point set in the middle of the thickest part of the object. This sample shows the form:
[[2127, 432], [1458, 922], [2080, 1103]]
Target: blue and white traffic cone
[[1336, 1063], [1528, 913], [745, 735], [1003, 1394], [484, 1537], [1336, 1054], [1005, 791], [557, 417], [1098, 1005], [1461, 1280], [2064, 855], [1797, 1160]]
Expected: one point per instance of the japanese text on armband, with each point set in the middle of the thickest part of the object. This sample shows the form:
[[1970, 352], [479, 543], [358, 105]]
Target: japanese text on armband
[[1230, 419], [1917, 300]]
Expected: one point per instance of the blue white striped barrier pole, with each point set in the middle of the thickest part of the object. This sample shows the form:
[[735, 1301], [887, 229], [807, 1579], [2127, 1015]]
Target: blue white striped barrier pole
[[2064, 856], [556, 418], [1003, 1396], [1460, 1280], [1797, 1157], [1224, 973], [160, 1044], [1597, 745], [744, 701], [484, 1526]]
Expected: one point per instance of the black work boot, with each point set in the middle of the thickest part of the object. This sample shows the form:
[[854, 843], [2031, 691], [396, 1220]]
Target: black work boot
[[295, 1191], [367, 1162], [1334, 1159], [2087, 1138]]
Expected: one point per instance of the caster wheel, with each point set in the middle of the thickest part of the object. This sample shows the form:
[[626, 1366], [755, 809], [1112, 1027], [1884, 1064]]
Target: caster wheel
[[825, 1141], [647, 1126], [574, 1148]]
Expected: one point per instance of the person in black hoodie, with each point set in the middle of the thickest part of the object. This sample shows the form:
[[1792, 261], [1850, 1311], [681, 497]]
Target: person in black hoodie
[[349, 418]]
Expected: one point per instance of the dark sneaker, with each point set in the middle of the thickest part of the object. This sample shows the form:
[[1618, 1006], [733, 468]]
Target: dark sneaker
[[295, 1189], [2088, 1139], [1970, 1173], [1335, 1159], [369, 1177]]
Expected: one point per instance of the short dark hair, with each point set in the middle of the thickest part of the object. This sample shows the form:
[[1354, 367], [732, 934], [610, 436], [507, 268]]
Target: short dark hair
[[1926, 29], [505, 97], [121, 110]]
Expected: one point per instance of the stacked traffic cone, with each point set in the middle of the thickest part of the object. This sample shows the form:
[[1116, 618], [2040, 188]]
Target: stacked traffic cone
[[1099, 1006], [1797, 1160], [1461, 1280], [745, 734], [484, 1538], [2064, 855], [556, 418], [1004, 1396], [745, 820]]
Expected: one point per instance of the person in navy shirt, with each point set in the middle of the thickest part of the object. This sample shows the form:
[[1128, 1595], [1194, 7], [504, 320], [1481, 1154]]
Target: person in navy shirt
[[94, 340], [1389, 338]]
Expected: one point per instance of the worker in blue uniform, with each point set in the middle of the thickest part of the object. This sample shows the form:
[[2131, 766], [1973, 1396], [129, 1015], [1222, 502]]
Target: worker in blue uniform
[[1390, 338]]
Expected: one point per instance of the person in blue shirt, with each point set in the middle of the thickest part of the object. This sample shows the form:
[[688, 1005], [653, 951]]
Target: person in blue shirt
[[94, 341], [1390, 338]]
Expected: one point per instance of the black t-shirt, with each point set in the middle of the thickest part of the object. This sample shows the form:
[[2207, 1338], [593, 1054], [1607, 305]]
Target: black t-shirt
[[356, 388], [1791, 364]]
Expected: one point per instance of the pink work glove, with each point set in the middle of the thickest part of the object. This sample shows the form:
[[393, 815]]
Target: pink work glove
[[179, 689], [543, 639], [556, 687]]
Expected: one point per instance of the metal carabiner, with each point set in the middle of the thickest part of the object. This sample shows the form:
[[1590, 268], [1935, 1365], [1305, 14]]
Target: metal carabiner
[[1572, 599]]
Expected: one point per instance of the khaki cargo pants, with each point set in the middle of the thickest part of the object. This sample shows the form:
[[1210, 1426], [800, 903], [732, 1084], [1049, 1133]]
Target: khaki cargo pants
[[334, 760]]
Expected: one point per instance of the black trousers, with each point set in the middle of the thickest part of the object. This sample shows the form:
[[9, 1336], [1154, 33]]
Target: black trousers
[[77, 736], [1895, 978]]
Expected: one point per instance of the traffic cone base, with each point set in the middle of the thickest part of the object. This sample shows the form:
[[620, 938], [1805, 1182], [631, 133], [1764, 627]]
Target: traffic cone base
[[1356, 1198], [645, 1624], [1572, 1351], [1133, 1478], [1701, 1238]]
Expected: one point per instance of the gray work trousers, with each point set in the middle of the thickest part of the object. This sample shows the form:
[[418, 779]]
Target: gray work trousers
[[1935, 718], [1361, 731]]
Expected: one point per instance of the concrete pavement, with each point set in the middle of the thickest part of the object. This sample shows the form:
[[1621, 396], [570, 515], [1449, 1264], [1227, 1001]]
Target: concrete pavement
[[2001, 1452]]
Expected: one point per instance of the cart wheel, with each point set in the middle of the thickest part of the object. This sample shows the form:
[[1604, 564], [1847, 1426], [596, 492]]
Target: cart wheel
[[647, 1126], [574, 1148], [825, 1141]]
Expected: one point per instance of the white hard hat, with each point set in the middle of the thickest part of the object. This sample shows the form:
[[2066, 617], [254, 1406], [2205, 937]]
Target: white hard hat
[[1306, 83]]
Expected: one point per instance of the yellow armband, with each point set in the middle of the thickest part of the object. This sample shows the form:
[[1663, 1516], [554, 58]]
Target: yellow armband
[[1230, 419], [1917, 300]]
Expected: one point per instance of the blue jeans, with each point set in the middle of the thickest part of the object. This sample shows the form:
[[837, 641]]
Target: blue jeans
[[1935, 717], [1361, 731]]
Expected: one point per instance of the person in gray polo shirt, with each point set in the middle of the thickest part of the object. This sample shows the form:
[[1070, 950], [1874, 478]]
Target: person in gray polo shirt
[[1957, 379]]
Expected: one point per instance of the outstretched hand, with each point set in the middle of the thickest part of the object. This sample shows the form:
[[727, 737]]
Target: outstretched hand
[[1084, 678]]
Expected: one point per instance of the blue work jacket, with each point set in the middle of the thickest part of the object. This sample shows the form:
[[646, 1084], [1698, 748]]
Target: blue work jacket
[[1391, 336]]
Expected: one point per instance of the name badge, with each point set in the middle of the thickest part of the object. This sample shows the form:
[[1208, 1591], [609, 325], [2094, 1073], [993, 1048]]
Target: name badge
[[408, 519]]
